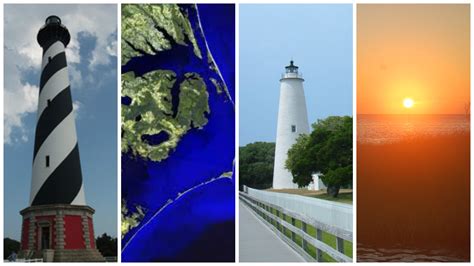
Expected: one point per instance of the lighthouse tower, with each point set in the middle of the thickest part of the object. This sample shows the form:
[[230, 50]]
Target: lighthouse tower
[[57, 225], [292, 121]]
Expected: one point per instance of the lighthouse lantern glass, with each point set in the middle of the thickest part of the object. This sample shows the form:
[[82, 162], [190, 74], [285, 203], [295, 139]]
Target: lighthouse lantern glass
[[53, 20]]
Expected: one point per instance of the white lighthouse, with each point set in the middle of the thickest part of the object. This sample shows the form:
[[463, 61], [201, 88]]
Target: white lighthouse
[[292, 121]]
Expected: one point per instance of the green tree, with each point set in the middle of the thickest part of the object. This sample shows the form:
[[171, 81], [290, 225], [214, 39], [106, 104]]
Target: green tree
[[107, 245], [10, 245], [256, 165], [327, 150], [299, 161]]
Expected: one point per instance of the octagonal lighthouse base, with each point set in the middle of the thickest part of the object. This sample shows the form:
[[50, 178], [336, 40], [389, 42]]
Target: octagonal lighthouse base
[[59, 233]]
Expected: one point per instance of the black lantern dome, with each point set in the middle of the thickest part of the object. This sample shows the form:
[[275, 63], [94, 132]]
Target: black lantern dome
[[53, 31], [291, 68]]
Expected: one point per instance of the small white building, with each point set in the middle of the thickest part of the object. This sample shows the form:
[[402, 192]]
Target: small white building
[[317, 183]]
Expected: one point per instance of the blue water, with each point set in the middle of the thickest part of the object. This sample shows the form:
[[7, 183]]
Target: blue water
[[220, 37], [156, 139], [126, 100], [206, 212]]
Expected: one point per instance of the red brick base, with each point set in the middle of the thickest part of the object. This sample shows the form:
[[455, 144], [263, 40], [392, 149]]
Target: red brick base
[[68, 228]]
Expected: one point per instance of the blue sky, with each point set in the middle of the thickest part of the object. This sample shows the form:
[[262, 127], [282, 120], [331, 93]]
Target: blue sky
[[92, 61], [319, 39]]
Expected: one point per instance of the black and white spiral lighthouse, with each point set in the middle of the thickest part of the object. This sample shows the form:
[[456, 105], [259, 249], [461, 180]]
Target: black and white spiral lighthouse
[[57, 225]]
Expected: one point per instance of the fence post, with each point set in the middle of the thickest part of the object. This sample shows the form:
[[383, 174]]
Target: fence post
[[277, 222], [304, 244], [268, 216], [319, 253], [274, 219], [340, 244], [293, 235], [267, 208]]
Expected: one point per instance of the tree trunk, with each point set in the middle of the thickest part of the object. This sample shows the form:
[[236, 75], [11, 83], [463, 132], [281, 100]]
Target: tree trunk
[[333, 191]]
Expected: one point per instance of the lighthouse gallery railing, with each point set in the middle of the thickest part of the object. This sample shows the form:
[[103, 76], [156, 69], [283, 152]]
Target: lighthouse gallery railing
[[292, 75], [281, 212]]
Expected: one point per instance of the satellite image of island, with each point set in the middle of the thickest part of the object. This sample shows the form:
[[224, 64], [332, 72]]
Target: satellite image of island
[[178, 127]]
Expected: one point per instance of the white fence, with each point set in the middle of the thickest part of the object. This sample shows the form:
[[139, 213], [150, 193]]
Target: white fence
[[331, 213], [324, 216]]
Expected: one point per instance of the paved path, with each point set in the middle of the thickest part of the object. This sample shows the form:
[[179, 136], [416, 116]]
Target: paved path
[[258, 243]]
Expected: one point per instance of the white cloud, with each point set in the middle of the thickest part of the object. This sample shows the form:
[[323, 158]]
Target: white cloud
[[75, 77], [21, 102], [112, 48], [23, 53], [76, 105], [97, 20], [20, 99], [100, 24]]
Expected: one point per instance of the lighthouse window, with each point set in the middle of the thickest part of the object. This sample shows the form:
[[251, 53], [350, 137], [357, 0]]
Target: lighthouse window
[[47, 161], [49, 59], [293, 128], [49, 102]]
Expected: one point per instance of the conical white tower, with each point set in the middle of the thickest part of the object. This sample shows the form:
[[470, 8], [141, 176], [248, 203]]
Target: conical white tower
[[292, 121]]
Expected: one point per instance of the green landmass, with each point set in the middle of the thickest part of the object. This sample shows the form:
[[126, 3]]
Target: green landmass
[[142, 27], [193, 102], [217, 85], [150, 111], [129, 219], [227, 174]]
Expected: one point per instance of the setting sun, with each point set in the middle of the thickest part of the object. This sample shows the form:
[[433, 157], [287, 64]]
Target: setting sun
[[392, 66], [408, 103]]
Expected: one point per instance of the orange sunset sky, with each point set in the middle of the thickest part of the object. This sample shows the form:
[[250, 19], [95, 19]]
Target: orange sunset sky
[[413, 51]]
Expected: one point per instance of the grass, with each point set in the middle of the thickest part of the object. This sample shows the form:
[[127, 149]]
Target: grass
[[306, 192], [327, 238], [330, 240], [345, 197]]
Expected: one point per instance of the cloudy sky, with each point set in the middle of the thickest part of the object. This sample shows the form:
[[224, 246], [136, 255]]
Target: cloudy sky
[[92, 63]]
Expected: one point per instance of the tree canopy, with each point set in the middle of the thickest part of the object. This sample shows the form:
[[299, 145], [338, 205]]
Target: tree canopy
[[327, 150], [107, 245], [9, 246], [256, 164]]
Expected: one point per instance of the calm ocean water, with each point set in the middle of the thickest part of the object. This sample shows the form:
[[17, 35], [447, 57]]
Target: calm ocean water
[[413, 196], [379, 129]]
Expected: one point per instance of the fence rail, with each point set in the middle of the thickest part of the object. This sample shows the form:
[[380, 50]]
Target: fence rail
[[264, 210], [336, 214]]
